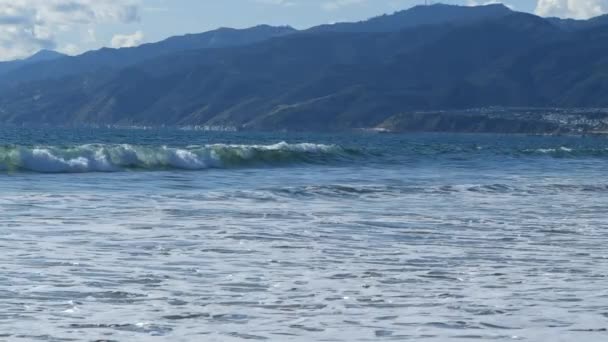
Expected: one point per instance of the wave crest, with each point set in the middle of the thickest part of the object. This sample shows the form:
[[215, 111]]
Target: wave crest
[[113, 158], [568, 152]]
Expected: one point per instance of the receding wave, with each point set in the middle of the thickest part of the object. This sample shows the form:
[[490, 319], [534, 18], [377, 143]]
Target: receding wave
[[114, 158], [383, 191]]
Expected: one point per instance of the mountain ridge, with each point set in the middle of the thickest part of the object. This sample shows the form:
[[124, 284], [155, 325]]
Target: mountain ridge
[[435, 14], [335, 80], [40, 56], [123, 57], [112, 58]]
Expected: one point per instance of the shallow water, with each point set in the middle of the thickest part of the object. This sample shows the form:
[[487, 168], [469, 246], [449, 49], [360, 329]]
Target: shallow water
[[301, 238]]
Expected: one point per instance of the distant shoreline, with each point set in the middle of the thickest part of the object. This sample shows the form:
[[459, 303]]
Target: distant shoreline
[[493, 120]]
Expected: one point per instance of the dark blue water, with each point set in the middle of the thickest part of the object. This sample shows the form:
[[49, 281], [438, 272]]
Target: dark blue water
[[142, 235]]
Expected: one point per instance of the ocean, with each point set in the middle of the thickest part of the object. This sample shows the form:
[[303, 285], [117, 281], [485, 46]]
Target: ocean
[[174, 235]]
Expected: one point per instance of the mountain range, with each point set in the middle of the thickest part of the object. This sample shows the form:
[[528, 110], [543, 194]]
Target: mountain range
[[379, 73], [40, 56]]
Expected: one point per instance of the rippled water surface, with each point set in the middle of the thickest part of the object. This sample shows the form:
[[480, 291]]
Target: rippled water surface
[[133, 235]]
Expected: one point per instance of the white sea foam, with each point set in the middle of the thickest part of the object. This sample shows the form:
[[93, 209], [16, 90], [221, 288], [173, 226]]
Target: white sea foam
[[564, 150], [47, 160]]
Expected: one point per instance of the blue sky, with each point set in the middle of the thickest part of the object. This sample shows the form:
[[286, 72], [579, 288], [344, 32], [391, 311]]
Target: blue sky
[[75, 26], [163, 18]]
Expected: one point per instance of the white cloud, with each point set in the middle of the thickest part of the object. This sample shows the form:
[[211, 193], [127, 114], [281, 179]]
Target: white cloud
[[579, 9], [127, 40], [69, 49], [30, 25], [90, 36], [337, 4], [487, 2], [276, 2]]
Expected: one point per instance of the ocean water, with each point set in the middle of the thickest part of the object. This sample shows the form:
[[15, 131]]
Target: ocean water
[[168, 235]]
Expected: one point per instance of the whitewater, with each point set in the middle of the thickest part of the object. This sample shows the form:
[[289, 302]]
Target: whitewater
[[172, 235]]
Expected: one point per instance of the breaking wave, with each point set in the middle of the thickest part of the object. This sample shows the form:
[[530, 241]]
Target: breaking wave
[[114, 158]]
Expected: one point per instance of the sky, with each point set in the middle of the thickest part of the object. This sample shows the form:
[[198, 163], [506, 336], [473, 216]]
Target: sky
[[76, 26]]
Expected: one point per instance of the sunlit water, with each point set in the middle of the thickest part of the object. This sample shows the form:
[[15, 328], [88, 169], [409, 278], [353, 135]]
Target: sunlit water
[[131, 235]]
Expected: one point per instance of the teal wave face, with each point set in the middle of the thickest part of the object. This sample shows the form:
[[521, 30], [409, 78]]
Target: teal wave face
[[113, 158]]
